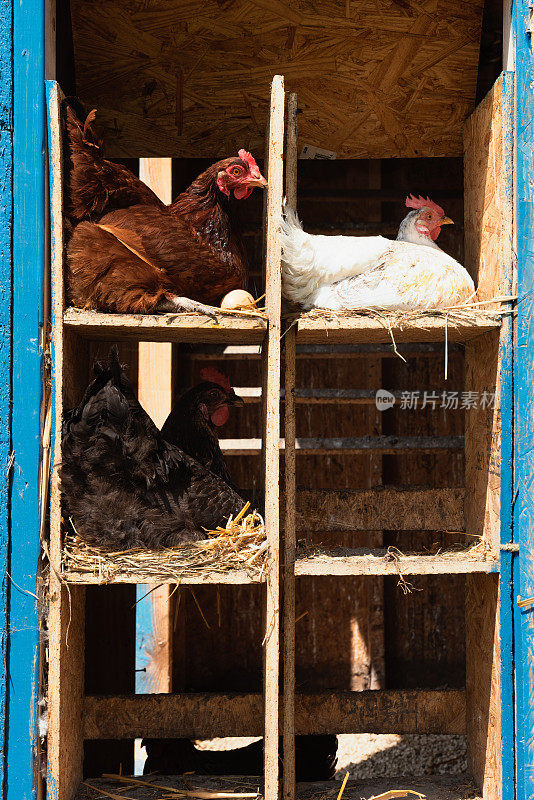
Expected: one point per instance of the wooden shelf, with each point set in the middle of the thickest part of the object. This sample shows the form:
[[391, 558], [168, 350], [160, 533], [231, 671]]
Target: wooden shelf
[[165, 327], [234, 577], [377, 562], [344, 328]]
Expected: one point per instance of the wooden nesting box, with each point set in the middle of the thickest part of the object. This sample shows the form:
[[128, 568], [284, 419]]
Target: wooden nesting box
[[385, 498]]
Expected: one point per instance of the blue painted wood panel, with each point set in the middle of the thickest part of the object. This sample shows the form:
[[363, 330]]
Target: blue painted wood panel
[[507, 535], [523, 506], [29, 148], [6, 174]]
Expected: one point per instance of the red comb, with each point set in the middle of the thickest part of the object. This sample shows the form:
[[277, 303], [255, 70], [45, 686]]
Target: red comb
[[213, 375], [421, 202], [249, 159]]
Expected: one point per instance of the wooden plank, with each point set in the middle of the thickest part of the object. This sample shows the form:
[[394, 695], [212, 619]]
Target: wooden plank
[[414, 75], [201, 715], [67, 606], [350, 329], [333, 351], [380, 562], [272, 430], [488, 226], [237, 577], [290, 484], [194, 328], [406, 509], [290, 464], [362, 444], [483, 684], [155, 380]]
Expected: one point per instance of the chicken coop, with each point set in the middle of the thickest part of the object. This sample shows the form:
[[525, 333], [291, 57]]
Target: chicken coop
[[390, 455]]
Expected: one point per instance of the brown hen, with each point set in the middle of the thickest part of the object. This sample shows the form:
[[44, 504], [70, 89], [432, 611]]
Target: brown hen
[[130, 252]]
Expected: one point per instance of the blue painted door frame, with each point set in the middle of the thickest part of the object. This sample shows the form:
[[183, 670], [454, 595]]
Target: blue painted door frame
[[523, 500], [22, 252]]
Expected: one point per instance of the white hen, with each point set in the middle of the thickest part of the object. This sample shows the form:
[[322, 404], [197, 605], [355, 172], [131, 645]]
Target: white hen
[[356, 272]]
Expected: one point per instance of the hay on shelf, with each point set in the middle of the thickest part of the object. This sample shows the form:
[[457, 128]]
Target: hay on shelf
[[242, 544]]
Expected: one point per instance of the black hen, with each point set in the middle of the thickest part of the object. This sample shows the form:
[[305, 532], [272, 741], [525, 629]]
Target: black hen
[[123, 485], [315, 758], [195, 416]]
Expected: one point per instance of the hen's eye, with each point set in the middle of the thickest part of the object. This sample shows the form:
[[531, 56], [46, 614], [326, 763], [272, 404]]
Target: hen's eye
[[236, 171]]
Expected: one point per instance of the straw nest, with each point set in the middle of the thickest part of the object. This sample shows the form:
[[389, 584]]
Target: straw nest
[[471, 312], [242, 544]]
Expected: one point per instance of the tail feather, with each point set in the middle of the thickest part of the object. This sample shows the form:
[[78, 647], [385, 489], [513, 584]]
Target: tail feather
[[298, 258], [98, 186]]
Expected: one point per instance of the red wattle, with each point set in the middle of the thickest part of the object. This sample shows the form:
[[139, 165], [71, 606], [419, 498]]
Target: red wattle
[[220, 416], [435, 233], [242, 192]]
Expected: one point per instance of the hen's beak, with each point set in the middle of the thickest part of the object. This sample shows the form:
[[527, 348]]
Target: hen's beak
[[259, 182], [233, 399], [446, 221]]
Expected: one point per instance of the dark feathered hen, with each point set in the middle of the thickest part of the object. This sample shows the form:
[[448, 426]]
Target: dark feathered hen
[[123, 485], [130, 252], [192, 423]]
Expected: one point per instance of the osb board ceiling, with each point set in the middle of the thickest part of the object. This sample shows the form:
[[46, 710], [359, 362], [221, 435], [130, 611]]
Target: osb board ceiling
[[191, 78]]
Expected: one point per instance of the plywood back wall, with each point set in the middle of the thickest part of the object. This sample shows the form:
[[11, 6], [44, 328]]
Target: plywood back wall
[[192, 78]]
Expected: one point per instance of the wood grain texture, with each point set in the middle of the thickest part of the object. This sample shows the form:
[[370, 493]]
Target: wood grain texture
[[271, 421], [483, 684], [193, 328], [227, 714], [370, 509], [365, 561], [376, 82], [353, 330], [487, 216]]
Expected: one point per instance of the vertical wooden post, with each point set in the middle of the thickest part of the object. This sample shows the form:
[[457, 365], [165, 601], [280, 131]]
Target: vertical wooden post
[[271, 356], [290, 489], [155, 395]]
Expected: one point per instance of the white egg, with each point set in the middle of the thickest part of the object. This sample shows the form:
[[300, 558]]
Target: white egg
[[238, 299]]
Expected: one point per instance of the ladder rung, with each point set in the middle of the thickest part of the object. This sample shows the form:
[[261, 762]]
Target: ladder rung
[[362, 444]]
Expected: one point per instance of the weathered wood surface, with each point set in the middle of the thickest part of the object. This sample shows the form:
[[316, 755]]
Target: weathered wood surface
[[195, 328], [435, 788], [339, 329], [488, 217], [372, 509], [193, 79], [271, 430], [483, 684], [362, 444], [364, 561], [208, 715]]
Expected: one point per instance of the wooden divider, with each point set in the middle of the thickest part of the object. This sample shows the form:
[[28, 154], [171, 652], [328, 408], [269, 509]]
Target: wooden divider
[[271, 405], [290, 464]]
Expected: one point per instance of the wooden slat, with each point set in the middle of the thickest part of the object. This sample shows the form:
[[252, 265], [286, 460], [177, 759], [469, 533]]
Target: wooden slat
[[363, 444], [271, 436], [386, 508], [227, 714], [339, 329], [252, 394], [379, 350], [379, 562], [236, 577], [194, 328]]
